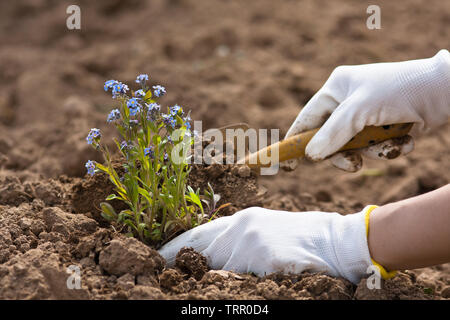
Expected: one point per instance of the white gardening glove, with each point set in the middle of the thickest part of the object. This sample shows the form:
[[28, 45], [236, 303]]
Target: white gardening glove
[[375, 94], [264, 241]]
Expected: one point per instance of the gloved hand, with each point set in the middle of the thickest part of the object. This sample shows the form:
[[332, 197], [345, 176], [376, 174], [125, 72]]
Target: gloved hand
[[375, 94], [264, 241]]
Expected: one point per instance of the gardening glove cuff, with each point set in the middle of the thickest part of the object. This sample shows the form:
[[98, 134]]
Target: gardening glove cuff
[[350, 235], [350, 246]]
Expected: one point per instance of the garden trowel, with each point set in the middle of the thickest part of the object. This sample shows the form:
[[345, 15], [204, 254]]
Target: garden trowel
[[294, 147]]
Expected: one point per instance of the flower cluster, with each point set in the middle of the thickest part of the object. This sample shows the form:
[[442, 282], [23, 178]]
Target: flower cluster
[[151, 182], [93, 136], [142, 79], [134, 106], [159, 91], [139, 94], [118, 88], [113, 115], [90, 166], [153, 111]]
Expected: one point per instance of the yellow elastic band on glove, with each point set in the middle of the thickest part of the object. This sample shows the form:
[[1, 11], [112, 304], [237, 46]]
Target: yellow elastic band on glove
[[384, 273]]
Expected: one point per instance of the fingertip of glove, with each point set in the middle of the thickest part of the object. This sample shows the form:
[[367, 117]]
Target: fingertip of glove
[[317, 149], [445, 54], [349, 161], [389, 149]]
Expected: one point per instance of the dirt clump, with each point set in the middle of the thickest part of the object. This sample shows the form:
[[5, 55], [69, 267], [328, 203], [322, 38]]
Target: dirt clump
[[225, 181], [398, 288], [37, 274], [67, 224], [170, 278], [191, 263], [87, 194], [130, 256]]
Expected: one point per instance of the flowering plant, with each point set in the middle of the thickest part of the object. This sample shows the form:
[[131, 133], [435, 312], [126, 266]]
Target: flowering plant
[[154, 151]]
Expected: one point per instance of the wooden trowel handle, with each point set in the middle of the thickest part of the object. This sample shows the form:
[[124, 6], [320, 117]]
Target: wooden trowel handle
[[294, 147]]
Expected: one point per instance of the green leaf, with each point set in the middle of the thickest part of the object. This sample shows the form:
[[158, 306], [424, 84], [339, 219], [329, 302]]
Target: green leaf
[[108, 210], [102, 167], [143, 183], [130, 224], [148, 96], [145, 193], [155, 234], [106, 216], [147, 233], [168, 224], [124, 214], [195, 199], [112, 197], [142, 227], [156, 139]]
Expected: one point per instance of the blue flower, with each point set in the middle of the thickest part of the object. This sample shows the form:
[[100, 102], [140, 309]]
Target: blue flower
[[90, 166], [142, 78], [159, 91], [109, 84], [134, 111], [152, 112], [119, 88], [166, 156], [139, 93], [113, 115], [149, 152], [94, 134], [176, 110], [187, 123], [134, 106], [154, 107], [169, 120]]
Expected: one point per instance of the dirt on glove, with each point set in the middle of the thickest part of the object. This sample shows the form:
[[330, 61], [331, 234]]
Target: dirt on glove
[[228, 62]]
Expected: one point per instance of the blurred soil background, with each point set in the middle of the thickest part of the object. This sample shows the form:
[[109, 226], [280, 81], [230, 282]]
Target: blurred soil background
[[256, 61]]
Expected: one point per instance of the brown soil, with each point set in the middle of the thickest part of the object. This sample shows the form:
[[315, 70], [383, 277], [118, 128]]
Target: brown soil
[[41, 237], [227, 61]]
